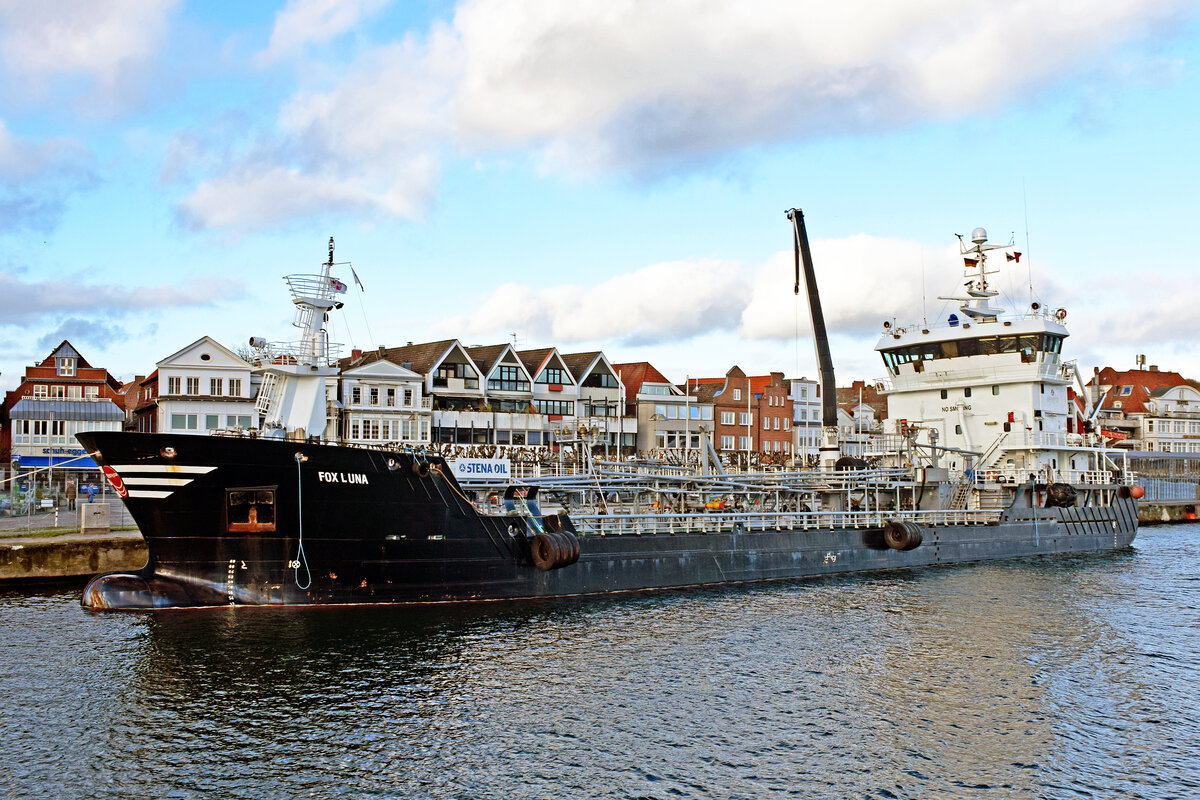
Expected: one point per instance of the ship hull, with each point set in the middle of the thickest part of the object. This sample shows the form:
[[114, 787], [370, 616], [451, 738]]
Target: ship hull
[[349, 525]]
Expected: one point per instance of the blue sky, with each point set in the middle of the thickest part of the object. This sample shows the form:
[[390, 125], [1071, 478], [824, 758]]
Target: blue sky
[[588, 175]]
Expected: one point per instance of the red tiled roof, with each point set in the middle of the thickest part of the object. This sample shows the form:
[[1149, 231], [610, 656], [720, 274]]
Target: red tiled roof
[[1141, 383], [635, 374]]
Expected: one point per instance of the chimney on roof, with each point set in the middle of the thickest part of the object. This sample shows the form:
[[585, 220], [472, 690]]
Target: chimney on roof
[[381, 349], [409, 344], [355, 354], [1154, 367]]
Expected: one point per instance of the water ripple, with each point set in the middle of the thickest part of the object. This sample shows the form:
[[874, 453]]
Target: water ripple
[[1062, 678]]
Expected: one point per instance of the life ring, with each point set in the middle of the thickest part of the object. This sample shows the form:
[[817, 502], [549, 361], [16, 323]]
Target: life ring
[[1060, 314]]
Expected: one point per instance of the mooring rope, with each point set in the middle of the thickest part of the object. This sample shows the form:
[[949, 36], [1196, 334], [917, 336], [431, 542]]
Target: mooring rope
[[300, 557]]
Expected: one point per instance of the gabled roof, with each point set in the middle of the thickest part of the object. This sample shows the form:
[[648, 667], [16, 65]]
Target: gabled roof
[[65, 350], [635, 374], [423, 357], [381, 368], [580, 365], [488, 356], [535, 360], [205, 342]]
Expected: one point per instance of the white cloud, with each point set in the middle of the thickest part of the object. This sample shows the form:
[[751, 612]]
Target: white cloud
[[648, 88], [304, 22], [26, 301], [37, 177], [108, 43], [661, 302], [251, 200]]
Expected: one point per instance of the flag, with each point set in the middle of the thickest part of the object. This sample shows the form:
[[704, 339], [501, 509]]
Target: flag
[[1014, 256], [337, 286], [971, 262], [356, 280]]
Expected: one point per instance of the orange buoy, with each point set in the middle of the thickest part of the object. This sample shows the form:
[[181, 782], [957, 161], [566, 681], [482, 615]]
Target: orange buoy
[[1137, 492]]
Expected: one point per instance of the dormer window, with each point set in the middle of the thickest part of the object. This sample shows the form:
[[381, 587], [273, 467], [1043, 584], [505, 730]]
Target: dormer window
[[1126, 390], [66, 366]]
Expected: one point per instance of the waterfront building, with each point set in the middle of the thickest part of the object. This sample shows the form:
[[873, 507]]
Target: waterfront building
[[381, 401], [752, 414], [668, 418], [1146, 409], [202, 388], [600, 405], [805, 395], [58, 397]]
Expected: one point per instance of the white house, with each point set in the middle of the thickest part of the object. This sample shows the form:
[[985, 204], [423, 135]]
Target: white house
[[384, 402], [200, 389]]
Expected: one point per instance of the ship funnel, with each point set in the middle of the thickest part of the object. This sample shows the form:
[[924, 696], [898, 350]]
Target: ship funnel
[[979, 236]]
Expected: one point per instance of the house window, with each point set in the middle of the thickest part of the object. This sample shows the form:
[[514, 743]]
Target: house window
[[235, 387], [215, 386], [727, 417], [183, 422], [193, 386], [173, 385], [74, 392], [553, 375], [212, 421], [58, 392], [743, 443], [737, 394], [237, 421], [565, 408], [408, 397], [66, 366], [374, 395], [356, 396], [91, 392], [745, 418], [507, 379], [391, 397]]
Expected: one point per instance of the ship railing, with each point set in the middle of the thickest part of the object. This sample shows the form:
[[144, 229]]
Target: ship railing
[[302, 352], [1013, 476], [314, 288], [701, 523]]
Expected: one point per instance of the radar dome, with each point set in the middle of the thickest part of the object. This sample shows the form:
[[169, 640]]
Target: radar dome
[[979, 236]]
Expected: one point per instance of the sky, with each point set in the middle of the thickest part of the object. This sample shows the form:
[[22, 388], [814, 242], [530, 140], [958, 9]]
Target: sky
[[607, 175]]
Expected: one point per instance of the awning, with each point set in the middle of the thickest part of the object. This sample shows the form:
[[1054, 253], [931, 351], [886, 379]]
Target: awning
[[82, 410], [75, 462]]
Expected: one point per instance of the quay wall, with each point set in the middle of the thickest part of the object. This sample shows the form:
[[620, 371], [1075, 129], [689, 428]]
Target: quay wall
[[70, 555], [1168, 511]]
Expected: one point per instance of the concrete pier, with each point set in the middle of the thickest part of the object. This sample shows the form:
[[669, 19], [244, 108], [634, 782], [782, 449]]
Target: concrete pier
[[69, 555]]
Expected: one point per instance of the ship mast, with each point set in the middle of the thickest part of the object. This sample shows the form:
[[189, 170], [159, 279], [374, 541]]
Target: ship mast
[[291, 396], [830, 448]]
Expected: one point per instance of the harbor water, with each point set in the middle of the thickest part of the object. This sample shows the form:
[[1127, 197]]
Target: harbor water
[[1044, 678]]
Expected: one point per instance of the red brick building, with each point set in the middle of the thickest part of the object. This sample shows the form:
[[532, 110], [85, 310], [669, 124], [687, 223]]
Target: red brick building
[[58, 397], [752, 413]]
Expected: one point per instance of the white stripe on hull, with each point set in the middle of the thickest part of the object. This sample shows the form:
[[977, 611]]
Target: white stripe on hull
[[164, 468]]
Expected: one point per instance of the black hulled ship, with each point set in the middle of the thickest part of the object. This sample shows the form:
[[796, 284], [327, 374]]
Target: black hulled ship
[[282, 517]]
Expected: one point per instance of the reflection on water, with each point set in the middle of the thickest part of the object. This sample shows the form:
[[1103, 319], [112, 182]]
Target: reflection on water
[[1053, 678]]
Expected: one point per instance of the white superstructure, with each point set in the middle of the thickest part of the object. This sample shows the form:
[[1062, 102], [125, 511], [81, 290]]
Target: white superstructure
[[292, 391], [985, 392]]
